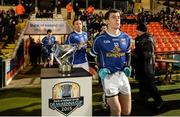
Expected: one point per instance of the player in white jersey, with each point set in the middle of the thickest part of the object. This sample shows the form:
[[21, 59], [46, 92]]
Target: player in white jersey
[[113, 51]]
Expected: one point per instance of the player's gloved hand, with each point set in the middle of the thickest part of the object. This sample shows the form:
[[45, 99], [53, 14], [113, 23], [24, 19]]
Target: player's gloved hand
[[103, 73], [127, 71]]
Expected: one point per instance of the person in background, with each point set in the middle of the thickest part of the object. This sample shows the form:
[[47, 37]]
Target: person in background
[[113, 51], [11, 29], [32, 51], [69, 9], [90, 10], [38, 50], [59, 6], [20, 11], [79, 59], [47, 43], [103, 29], [145, 66], [76, 9]]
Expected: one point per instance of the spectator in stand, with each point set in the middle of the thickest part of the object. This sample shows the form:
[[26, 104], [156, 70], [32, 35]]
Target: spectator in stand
[[44, 14], [168, 10], [29, 7], [59, 6], [39, 14], [101, 16], [90, 10], [49, 14], [76, 9], [20, 11], [83, 18], [11, 29], [103, 29], [69, 9]]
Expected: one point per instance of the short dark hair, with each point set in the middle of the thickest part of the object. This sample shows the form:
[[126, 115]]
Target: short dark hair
[[76, 19], [142, 27], [103, 24], [49, 31], [109, 12]]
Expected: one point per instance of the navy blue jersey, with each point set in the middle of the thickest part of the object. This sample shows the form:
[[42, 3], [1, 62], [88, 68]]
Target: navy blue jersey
[[48, 42], [111, 50], [80, 39]]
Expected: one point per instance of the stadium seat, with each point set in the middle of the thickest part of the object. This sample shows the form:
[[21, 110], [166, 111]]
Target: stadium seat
[[159, 49]]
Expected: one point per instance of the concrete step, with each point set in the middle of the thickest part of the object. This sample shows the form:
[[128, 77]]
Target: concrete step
[[7, 50], [10, 46]]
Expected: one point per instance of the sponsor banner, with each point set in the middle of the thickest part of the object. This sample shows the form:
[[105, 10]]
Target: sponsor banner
[[41, 27], [10, 64]]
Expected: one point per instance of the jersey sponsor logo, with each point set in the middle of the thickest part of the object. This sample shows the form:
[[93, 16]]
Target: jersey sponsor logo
[[106, 41], [123, 41], [66, 98], [116, 53]]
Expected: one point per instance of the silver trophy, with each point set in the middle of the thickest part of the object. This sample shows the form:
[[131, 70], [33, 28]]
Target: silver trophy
[[62, 53]]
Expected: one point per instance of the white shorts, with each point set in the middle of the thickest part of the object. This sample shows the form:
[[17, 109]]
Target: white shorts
[[83, 65], [116, 83], [52, 56]]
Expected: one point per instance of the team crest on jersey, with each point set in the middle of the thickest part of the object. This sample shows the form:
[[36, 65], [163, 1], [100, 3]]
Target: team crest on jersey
[[85, 37], [66, 98], [123, 41], [116, 50]]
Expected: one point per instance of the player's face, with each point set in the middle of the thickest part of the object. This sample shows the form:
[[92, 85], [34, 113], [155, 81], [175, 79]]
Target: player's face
[[103, 28], [78, 26], [49, 34], [114, 20]]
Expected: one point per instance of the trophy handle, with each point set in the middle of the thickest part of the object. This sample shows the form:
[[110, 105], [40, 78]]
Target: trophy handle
[[71, 50], [58, 60]]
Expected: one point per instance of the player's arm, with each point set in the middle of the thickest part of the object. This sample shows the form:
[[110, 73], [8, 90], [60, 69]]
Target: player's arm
[[128, 53], [103, 72], [127, 68], [92, 54], [44, 41], [95, 48], [69, 39], [128, 59]]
